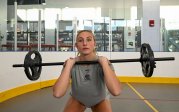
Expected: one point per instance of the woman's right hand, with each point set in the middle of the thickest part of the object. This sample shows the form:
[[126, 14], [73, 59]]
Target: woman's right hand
[[70, 62]]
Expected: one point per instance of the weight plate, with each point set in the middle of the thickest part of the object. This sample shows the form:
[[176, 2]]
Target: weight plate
[[32, 59], [147, 60]]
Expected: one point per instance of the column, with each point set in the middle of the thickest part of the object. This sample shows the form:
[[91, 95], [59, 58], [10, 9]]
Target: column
[[151, 23]]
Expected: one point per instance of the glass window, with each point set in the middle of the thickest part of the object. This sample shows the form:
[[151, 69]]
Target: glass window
[[53, 26], [170, 28]]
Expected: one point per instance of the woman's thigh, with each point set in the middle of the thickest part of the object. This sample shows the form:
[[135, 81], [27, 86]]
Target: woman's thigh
[[103, 106], [74, 106]]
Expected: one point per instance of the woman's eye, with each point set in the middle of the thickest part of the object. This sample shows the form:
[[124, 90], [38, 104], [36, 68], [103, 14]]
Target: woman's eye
[[80, 40], [88, 39]]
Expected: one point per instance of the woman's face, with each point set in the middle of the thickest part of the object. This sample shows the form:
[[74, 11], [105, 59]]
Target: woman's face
[[85, 43]]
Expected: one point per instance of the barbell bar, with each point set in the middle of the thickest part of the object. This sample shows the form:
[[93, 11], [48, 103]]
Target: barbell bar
[[33, 66], [95, 62]]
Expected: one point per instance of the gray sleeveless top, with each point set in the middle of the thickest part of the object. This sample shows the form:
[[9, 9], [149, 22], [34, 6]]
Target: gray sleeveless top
[[88, 85]]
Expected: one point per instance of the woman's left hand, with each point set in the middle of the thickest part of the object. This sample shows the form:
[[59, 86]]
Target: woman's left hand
[[103, 60]]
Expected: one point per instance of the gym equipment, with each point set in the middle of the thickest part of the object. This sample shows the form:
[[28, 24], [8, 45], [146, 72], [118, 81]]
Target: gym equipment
[[33, 66]]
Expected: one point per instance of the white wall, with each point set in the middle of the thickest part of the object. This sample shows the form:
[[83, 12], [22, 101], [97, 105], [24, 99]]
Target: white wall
[[151, 35], [13, 77], [163, 69]]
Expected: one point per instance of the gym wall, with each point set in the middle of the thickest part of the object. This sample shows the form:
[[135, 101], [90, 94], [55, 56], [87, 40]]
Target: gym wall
[[14, 77]]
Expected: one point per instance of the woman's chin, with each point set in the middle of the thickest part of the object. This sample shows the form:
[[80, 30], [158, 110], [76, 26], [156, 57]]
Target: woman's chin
[[85, 52]]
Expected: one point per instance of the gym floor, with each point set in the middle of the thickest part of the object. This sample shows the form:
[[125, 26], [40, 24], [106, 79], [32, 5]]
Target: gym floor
[[135, 97]]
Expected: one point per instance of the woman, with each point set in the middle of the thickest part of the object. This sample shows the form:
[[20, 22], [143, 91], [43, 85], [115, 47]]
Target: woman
[[90, 82]]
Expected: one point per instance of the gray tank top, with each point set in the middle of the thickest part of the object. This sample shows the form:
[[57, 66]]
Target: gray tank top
[[88, 85]]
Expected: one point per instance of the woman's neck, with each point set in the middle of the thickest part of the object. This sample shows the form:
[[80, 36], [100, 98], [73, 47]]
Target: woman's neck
[[88, 57]]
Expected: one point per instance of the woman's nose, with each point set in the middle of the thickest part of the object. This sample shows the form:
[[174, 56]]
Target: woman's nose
[[84, 42]]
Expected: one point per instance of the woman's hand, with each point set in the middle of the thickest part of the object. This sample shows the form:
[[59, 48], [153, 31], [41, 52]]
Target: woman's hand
[[70, 62], [103, 60]]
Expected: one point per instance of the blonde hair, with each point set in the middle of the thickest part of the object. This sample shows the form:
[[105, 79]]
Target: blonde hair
[[89, 31]]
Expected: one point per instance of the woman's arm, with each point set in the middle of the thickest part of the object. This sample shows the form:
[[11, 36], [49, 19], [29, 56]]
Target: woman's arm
[[112, 83], [61, 85]]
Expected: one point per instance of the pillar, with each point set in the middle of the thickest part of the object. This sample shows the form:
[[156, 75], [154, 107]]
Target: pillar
[[151, 23]]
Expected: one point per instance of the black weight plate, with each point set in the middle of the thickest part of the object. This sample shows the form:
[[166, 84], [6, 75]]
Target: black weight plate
[[32, 72], [147, 60]]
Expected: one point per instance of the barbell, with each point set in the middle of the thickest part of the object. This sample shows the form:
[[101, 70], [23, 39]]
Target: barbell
[[33, 66]]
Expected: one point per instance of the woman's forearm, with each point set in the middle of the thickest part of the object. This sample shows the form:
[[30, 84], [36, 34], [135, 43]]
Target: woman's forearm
[[62, 83], [112, 83]]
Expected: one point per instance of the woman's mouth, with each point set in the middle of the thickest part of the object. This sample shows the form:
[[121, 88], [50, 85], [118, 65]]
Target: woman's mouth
[[85, 48]]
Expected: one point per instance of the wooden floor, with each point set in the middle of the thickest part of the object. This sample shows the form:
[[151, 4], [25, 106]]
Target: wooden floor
[[135, 97]]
